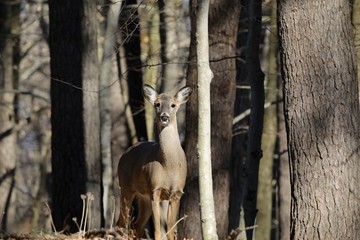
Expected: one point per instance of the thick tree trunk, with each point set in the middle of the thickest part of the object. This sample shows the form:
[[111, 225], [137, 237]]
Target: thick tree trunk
[[222, 42], [75, 117], [322, 116], [284, 193]]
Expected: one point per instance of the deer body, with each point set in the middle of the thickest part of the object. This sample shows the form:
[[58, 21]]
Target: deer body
[[152, 172]]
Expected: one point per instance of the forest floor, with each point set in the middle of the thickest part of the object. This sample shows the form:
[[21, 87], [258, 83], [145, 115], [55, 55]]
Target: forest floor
[[94, 235]]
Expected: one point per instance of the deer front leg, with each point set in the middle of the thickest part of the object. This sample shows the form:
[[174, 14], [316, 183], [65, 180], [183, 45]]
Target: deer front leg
[[155, 205], [173, 210]]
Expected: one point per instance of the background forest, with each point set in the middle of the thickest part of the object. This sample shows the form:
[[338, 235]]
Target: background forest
[[284, 104]]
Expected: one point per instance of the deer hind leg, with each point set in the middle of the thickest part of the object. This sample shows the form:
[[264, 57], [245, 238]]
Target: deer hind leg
[[173, 210], [124, 220], [144, 213]]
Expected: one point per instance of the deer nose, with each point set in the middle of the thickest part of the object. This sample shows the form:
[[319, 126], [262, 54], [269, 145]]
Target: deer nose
[[164, 117]]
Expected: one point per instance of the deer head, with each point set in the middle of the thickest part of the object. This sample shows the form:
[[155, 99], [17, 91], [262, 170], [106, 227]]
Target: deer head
[[166, 106]]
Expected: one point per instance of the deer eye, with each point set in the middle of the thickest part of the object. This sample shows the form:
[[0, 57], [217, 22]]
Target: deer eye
[[173, 105], [157, 105]]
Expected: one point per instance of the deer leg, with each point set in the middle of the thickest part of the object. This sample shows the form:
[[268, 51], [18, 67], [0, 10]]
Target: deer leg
[[171, 218], [174, 204], [144, 213], [164, 206], [125, 207], [155, 205]]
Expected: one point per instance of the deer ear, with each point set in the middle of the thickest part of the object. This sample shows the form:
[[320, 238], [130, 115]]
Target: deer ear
[[149, 93], [183, 95]]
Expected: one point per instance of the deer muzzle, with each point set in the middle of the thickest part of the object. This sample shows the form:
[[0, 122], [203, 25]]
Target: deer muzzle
[[164, 118]]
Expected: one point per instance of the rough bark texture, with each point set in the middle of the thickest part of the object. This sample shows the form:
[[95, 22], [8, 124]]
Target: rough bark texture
[[223, 19], [356, 24], [284, 193], [322, 117], [75, 112]]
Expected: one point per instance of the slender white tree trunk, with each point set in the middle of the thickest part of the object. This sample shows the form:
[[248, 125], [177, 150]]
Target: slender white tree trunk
[[104, 99], [208, 223]]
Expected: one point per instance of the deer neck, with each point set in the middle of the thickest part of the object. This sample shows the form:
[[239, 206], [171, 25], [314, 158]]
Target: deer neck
[[170, 147]]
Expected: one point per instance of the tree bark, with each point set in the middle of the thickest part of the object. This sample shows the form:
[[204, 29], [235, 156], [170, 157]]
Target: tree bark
[[284, 193], [322, 113], [104, 101], [222, 44], [239, 140], [356, 24], [9, 67], [268, 139], [75, 116], [254, 152], [169, 45], [207, 211]]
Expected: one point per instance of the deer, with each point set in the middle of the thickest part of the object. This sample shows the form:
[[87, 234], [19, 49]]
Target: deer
[[154, 173]]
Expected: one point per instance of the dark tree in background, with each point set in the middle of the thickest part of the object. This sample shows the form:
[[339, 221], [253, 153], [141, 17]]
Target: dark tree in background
[[255, 77], [130, 18], [76, 162], [322, 118]]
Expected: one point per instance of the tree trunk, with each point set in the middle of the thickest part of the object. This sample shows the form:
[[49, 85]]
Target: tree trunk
[[75, 117], [169, 45], [322, 116], [239, 140], [104, 101], [9, 67], [172, 70], [151, 74], [283, 172], [269, 136], [207, 211], [356, 24], [130, 19], [223, 20], [254, 152]]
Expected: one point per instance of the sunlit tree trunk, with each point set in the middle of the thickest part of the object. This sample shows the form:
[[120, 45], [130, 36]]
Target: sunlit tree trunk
[[322, 116], [265, 186], [104, 101], [207, 211], [222, 47], [168, 10]]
